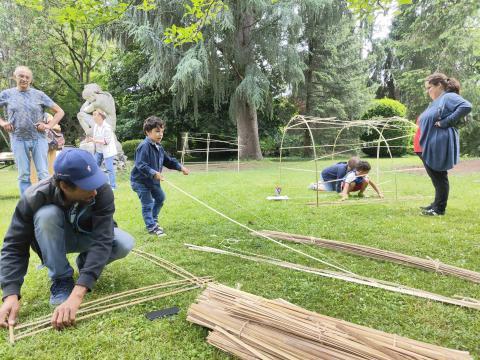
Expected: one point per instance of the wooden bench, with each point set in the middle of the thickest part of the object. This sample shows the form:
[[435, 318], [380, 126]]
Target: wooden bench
[[6, 159]]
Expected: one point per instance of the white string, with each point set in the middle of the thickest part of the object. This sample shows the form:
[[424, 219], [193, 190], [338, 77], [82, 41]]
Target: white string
[[255, 231]]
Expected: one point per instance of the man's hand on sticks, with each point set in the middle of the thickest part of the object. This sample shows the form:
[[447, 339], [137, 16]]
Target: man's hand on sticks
[[64, 315], [9, 311]]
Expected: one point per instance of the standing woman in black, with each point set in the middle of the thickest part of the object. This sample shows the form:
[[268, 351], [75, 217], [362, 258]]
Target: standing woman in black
[[439, 136]]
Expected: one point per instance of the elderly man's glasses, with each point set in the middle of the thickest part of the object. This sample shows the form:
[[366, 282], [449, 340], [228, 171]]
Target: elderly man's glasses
[[23, 76]]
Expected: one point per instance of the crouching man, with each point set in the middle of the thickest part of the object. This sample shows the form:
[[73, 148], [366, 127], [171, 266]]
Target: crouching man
[[71, 212]]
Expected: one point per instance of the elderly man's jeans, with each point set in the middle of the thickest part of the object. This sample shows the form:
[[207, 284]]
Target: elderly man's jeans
[[152, 199], [21, 151], [56, 238]]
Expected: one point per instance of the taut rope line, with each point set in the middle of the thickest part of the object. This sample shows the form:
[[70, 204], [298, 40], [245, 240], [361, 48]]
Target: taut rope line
[[254, 231]]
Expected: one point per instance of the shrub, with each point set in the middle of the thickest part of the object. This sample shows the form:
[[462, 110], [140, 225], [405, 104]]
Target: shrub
[[130, 146], [397, 130]]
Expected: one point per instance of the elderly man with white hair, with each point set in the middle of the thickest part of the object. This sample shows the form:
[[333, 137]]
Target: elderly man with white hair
[[25, 108]]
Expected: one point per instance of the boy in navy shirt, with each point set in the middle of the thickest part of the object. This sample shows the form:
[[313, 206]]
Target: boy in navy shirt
[[332, 176], [357, 180], [150, 157]]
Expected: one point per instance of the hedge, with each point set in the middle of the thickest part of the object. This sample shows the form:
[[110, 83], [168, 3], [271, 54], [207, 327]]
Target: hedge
[[130, 146], [386, 108]]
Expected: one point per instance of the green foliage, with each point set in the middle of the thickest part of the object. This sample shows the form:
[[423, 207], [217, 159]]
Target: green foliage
[[437, 35], [136, 102], [85, 13], [397, 134], [130, 146], [200, 14], [385, 108], [470, 138], [271, 129], [366, 9], [335, 77]]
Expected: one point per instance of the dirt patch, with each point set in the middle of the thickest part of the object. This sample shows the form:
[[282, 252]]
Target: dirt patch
[[464, 167]]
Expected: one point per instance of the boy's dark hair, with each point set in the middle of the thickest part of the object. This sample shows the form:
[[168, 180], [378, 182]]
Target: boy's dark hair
[[153, 122], [67, 183], [363, 166]]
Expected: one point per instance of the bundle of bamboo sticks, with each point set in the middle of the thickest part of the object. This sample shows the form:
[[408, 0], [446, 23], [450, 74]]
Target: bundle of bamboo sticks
[[374, 253], [109, 303], [252, 327], [120, 300]]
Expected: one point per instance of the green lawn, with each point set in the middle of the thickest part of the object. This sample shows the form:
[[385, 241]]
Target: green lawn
[[391, 225]]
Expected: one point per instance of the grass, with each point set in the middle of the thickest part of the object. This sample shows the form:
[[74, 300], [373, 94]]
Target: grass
[[391, 225]]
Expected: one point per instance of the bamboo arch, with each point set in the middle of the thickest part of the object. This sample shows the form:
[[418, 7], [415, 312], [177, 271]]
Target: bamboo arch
[[379, 125]]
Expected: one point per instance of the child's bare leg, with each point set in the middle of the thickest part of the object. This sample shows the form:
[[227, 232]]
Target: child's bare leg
[[347, 188], [351, 187], [362, 190]]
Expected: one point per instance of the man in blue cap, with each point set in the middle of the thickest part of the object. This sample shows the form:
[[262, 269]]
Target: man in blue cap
[[71, 212]]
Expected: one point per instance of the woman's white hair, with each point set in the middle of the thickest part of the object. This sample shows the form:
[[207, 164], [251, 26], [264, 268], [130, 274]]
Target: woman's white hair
[[24, 68]]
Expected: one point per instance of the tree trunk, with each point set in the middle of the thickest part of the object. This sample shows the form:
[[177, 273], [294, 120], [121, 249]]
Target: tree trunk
[[247, 129], [245, 112]]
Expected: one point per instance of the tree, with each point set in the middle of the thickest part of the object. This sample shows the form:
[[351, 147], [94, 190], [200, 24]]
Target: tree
[[63, 56], [437, 35], [251, 53], [429, 36], [335, 77]]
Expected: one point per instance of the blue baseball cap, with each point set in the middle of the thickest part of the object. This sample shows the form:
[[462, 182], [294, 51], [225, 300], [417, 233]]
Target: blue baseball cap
[[79, 167]]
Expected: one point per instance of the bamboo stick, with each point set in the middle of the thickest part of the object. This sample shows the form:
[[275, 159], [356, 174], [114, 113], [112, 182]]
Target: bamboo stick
[[111, 303], [142, 300], [252, 327], [375, 253], [91, 305], [11, 334], [356, 279]]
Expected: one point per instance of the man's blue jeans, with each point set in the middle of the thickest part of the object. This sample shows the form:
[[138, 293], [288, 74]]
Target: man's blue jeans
[[109, 166], [21, 151], [56, 239], [327, 185], [152, 199]]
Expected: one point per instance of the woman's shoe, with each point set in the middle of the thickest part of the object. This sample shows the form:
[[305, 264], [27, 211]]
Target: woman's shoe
[[432, 212]]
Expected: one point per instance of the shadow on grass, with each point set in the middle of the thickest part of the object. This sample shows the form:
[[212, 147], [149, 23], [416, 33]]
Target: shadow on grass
[[9, 197]]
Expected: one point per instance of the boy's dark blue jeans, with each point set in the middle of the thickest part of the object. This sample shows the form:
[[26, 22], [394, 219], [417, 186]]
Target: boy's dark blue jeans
[[152, 198]]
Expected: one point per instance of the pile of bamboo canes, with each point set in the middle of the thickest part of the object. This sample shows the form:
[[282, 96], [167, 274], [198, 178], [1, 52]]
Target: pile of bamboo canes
[[374, 253], [355, 279], [252, 327], [120, 300]]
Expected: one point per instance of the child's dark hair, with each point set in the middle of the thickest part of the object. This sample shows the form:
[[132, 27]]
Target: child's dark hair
[[363, 166], [153, 122]]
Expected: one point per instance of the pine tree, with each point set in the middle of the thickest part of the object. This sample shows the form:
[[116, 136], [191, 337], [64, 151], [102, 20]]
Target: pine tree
[[336, 74], [250, 51]]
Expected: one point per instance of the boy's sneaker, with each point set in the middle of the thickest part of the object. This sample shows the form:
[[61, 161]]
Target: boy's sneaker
[[157, 224], [432, 212], [61, 290], [157, 230]]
